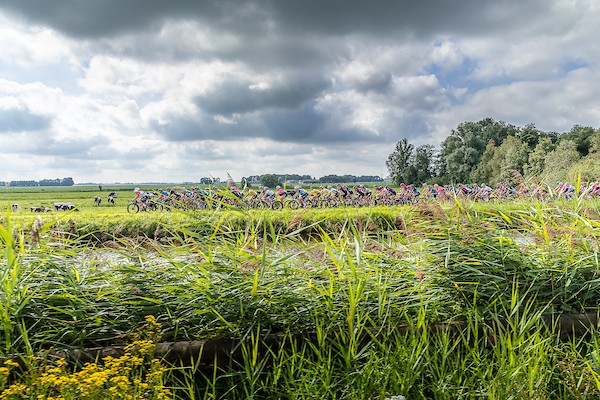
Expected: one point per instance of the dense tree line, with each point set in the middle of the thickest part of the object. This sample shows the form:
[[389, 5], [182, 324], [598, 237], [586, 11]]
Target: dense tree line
[[209, 180], [491, 151], [349, 178], [43, 182], [272, 180], [277, 178]]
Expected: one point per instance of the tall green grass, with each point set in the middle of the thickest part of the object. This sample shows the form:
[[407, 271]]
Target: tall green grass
[[15, 292], [422, 302]]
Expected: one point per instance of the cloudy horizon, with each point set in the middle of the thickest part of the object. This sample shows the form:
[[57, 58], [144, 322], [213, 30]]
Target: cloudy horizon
[[108, 91]]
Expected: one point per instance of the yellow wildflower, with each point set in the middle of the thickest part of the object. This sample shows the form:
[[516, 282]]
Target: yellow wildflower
[[55, 370], [151, 319], [11, 363], [61, 362], [137, 360], [141, 347], [120, 381], [14, 389]]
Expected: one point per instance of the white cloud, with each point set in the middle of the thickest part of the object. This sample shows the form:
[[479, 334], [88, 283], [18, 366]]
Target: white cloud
[[24, 46], [552, 105], [178, 91], [447, 54]]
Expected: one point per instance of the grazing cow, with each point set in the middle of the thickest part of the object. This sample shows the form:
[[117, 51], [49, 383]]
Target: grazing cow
[[15, 207], [40, 209], [113, 194], [97, 200], [111, 200], [62, 206]]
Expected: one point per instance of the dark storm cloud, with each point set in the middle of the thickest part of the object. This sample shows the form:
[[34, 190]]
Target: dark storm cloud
[[233, 96], [17, 120], [337, 17], [201, 127], [307, 125], [417, 17], [304, 124], [105, 17], [260, 51], [300, 125], [374, 83]]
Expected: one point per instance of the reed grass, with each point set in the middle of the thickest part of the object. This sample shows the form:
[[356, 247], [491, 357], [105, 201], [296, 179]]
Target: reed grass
[[352, 295]]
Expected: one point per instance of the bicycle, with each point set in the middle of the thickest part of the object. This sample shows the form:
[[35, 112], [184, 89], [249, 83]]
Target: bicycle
[[136, 205]]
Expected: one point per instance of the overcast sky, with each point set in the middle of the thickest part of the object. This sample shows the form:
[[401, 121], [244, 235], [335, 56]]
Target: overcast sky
[[155, 90]]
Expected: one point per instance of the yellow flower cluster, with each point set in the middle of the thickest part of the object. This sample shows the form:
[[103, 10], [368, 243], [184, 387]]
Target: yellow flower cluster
[[135, 375], [5, 372], [14, 390]]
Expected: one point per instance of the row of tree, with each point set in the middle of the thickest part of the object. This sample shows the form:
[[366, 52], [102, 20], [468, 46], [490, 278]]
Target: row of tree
[[44, 182], [349, 178], [208, 180], [273, 180], [491, 151]]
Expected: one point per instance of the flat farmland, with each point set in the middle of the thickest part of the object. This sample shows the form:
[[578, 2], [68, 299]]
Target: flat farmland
[[433, 300], [81, 196]]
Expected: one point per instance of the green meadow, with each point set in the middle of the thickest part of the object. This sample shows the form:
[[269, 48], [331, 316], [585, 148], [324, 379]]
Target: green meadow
[[81, 196], [431, 301]]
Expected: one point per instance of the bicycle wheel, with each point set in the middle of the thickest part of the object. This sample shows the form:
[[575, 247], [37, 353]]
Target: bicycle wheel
[[293, 204], [277, 205], [156, 206], [133, 208]]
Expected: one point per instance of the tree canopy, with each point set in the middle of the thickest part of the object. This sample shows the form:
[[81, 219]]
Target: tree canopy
[[491, 151], [407, 164]]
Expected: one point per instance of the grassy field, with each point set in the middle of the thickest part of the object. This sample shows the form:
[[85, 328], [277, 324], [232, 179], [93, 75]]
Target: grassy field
[[445, 301], [81, 196]]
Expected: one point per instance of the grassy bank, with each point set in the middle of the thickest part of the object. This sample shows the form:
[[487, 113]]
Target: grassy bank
[[341, 276]]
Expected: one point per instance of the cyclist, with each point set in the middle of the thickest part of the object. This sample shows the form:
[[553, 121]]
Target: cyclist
[[315, 195], [363, 191], [333, 195], [141, 198], [235, 190], [251, 194], [344, 193], [268, 195], [280, 192], [300, 195]]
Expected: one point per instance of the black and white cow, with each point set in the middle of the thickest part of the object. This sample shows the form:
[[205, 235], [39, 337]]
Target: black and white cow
[[40, 209], [62, 206], [111, 197], [97, 200]]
